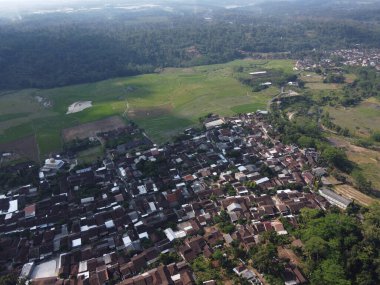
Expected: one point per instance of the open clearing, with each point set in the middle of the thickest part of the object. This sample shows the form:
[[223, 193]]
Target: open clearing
[[361, 119], [286, 253], [162, 103], [90, 155], [368, 160], [90, 129], [351, 193]]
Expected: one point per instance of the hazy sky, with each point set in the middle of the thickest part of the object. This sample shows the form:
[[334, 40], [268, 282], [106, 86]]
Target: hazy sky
[[29, 3], [34, 1]]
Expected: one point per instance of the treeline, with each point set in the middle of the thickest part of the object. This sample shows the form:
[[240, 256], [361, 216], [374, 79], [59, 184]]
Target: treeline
[[275, 77], [60, 52]]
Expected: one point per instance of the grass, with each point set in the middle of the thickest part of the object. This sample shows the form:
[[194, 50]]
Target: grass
[[90, 155], [323, 86], [361, 119], [162, 103], [369, 163]]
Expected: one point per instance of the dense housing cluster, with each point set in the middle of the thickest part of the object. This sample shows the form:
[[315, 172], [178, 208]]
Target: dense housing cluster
[[147, 216], [358, 57]]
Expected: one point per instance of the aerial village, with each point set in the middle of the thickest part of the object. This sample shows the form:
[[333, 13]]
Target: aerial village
[[357, 57], [145, 213]]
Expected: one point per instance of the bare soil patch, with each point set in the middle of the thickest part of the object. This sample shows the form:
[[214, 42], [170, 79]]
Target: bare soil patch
[[25, 147], [345, 144], [91, 129], [287, 253], [351, 193]]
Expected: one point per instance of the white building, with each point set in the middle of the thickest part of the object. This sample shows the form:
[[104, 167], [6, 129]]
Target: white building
[[52, 165], [334, 198]]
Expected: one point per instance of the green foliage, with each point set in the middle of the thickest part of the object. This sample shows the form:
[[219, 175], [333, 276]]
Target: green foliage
[[305, 141], [10, 178], [229, 189], [275, 239], [307, 215], [376, 136], [338, 158], [365, 86], [371, 224], [168, 258], [330, 272], [339, 249], [203, 270], [217, 255], [100, 49], [364, 143], [265, 259], [224, 222], [305, 131], [227, 227], [316, 248], [334, 78], [361, 182]]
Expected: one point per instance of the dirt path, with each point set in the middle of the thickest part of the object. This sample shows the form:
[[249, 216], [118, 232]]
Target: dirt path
[[126, 109]]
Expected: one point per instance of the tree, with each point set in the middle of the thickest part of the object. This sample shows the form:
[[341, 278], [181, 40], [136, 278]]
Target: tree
[[305, 141], [168, 258], [338, 158], [266, 259], [307, 215], [371, 224], [203, 269], [316, 248], [330, 272], [361, 182], [334, 78], [217, 255]]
